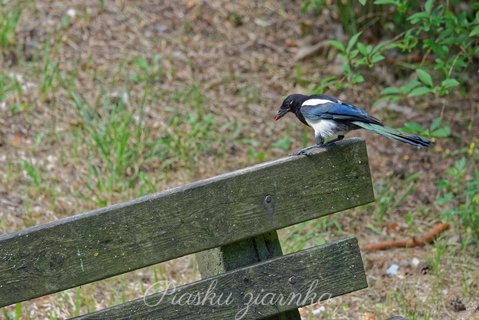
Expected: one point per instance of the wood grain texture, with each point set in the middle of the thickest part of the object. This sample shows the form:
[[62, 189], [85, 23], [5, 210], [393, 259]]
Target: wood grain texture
[[203, 215], [325, 271], [240, 254]]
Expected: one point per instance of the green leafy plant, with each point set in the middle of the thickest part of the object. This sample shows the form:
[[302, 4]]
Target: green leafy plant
[[357, 55], [436, 129], [419, 87], [325, 83], [446, 39], [443, 37]]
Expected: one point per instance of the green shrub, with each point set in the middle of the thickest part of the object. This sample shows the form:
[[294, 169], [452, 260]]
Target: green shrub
[[445, 37]]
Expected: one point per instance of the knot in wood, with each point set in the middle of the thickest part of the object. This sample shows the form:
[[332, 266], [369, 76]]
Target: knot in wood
[[268, 199]]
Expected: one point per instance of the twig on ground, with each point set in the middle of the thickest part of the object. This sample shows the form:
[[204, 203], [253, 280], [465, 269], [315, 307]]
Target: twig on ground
[[410, 243]]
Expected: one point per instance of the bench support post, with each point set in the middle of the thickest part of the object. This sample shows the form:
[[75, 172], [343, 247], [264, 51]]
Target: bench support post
[[240, 254]]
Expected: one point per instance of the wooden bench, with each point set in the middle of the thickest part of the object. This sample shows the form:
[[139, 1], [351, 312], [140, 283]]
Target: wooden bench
[[234, 217]]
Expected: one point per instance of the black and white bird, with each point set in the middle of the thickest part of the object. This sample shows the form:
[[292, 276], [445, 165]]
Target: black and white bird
[[330, 117]]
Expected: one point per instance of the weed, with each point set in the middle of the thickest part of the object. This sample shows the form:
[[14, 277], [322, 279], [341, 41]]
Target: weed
[[189, 96], [33, 173], [50, 74], [435, 261], [391, 194], [256, 155], [459, 198], [12, 91], [147, 70]]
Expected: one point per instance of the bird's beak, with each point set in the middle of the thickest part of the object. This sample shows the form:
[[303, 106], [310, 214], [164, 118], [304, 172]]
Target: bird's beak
[[280, 114]]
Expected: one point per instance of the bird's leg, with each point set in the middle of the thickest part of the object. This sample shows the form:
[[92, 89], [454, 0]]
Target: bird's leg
[[305, 151], [339, 138]]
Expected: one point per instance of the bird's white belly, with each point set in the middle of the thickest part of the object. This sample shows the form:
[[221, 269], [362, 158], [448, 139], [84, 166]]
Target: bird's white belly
[[323, 128]]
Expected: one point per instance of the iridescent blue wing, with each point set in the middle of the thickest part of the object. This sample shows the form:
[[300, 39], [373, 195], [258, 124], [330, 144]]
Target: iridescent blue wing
[[324, 107]]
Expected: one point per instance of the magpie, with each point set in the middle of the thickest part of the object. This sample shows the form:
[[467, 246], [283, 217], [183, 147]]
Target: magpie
[[330, 117]]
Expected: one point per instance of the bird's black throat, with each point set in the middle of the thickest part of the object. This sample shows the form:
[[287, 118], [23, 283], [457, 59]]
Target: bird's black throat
[[300, 116]]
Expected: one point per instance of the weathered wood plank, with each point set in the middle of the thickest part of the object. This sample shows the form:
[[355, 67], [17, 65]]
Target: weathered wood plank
[[203, 215], [240, 254], [325, 271]]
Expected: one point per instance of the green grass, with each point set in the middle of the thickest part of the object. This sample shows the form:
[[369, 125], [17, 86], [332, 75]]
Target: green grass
[[33, 172], [391, 192], [9, 18], [118, 146], [50, 74], [11, 90]]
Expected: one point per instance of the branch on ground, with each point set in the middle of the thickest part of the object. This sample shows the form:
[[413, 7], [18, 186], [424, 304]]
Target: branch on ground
[[410, 243]]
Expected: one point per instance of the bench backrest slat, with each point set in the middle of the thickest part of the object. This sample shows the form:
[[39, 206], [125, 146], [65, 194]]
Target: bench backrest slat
[[203, 215]]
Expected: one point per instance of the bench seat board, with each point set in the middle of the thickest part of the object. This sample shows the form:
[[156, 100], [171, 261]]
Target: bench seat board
[[302, 278]]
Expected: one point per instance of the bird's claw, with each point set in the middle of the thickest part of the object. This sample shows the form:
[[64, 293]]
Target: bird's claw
[[306, 151], [299, 153]]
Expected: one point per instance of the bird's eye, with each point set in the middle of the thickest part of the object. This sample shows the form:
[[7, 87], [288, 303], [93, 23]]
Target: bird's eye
[[291, 102]]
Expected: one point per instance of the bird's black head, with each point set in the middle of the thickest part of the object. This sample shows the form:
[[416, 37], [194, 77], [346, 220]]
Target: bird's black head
[[291, 103]]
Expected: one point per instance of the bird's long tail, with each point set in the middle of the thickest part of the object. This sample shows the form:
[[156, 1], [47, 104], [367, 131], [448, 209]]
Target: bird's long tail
[[395, 134]]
